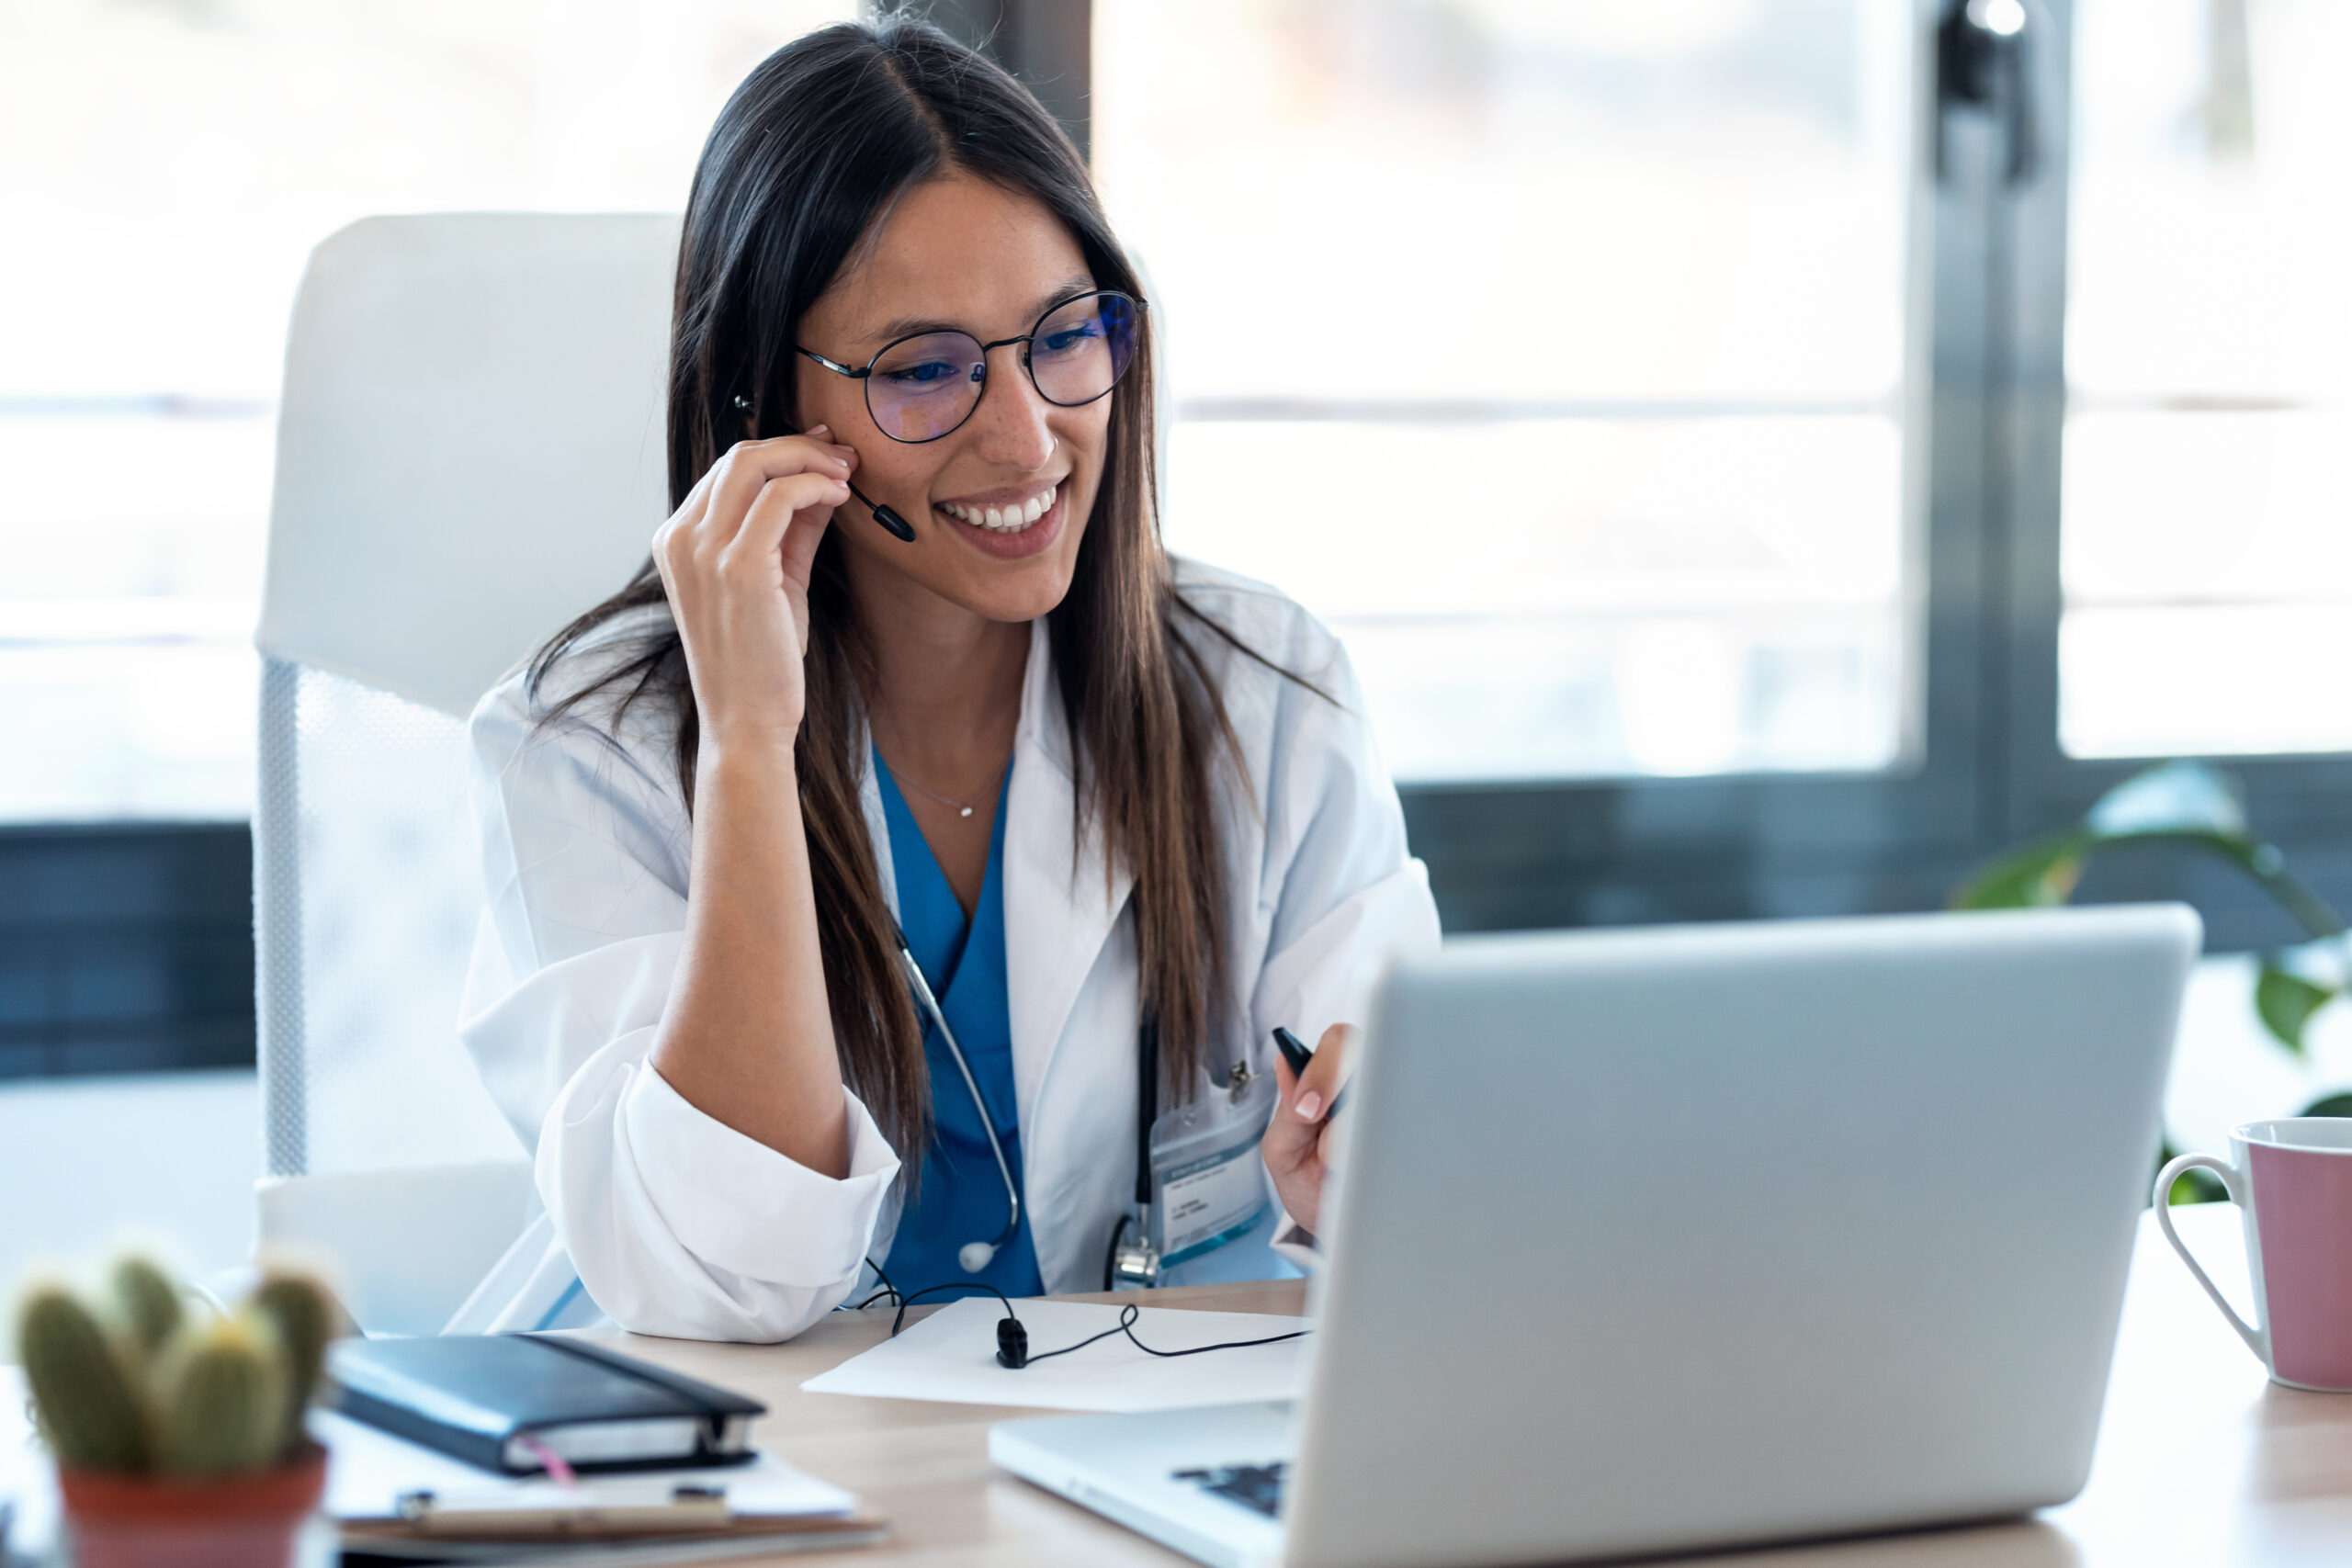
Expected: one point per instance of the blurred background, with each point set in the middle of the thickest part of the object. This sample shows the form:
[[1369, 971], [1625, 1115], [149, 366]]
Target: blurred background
[[1764, 460]]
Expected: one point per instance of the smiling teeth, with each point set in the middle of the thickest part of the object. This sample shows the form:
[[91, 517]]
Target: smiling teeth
[[1004, 519]]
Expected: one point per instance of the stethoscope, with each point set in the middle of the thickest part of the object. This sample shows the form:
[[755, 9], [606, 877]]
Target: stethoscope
[[1133, 1262]]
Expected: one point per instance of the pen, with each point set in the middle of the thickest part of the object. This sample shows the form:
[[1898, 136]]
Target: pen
[[1298, 1056]]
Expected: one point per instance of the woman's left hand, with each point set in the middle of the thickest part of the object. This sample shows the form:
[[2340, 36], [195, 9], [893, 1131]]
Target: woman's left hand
[[1298, 1145]]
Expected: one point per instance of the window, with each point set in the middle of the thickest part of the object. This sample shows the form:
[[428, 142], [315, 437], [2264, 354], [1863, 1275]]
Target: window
[[167, 167], [1742, 497], [1554, 352], [1751, 597], [2208, 481]]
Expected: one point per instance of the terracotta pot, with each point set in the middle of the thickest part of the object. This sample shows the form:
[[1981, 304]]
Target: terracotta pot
[[137, 1521]]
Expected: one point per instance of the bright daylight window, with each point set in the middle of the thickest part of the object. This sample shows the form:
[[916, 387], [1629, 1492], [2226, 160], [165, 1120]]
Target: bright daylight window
[[166, 169], [1553, 350], [2207, 559]]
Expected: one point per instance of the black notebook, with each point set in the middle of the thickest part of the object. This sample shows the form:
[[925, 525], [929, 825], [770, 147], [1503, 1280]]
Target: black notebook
[[506, 1401]]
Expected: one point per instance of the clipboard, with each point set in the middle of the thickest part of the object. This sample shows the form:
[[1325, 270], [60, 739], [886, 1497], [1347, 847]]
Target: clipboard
[[572, 1539], [395, 1502]]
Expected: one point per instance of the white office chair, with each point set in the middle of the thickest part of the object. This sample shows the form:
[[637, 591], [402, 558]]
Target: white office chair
[[470, 452]]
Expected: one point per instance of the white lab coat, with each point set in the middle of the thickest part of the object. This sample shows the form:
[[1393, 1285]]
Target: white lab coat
[[671, 1222]]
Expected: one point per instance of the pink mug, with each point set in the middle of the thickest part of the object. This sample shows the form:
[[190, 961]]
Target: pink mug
[[2292, 1181]]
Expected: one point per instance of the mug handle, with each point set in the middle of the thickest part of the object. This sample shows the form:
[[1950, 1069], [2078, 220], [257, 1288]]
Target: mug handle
[[2257, 1341]]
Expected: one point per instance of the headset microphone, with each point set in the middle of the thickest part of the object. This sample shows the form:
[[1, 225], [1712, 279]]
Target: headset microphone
[[892, 523]]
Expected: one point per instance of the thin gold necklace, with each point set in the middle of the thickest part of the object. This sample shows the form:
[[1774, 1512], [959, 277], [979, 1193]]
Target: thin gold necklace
[[961, 809], [906, 782]]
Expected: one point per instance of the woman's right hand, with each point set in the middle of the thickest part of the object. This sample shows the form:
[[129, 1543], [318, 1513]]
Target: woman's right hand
[[735, 560], [746, 1036]]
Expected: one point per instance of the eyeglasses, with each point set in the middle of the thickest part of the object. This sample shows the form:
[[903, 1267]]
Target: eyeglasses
[[924, 387]]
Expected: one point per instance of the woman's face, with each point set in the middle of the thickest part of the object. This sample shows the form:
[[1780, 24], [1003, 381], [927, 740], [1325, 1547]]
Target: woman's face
[[960, 252]]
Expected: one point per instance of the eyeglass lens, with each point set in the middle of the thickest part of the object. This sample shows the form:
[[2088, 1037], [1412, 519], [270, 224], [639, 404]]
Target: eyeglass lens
[[922, 388]]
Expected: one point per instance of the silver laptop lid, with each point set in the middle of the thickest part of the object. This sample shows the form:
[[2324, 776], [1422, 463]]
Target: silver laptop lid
[[1681, 1236]]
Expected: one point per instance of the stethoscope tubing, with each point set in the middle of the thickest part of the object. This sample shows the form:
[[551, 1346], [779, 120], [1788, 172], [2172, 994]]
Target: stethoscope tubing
[[971, 1085]]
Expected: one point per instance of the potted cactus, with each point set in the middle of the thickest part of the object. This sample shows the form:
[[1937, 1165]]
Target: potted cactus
[[178, 1435]]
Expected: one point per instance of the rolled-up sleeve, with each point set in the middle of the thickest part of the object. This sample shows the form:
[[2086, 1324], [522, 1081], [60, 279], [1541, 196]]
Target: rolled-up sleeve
[[679, 1225], [676, 1224]]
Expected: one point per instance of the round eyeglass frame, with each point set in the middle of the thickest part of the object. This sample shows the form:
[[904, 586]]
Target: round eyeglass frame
[[865, 374]]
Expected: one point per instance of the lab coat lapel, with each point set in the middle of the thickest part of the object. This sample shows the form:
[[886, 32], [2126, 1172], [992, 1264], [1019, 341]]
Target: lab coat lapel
[[1059, 907], [877, 826]]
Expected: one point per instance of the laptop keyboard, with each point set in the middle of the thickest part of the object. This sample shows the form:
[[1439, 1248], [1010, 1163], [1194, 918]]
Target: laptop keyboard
[[1258, 1486]]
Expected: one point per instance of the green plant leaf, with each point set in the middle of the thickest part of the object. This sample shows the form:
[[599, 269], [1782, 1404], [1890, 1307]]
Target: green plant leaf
[[2286, 1002], [2179, 797], [2184, 802], [2033, 876], [2260, 860], [2199, 806], [2328, 1105]]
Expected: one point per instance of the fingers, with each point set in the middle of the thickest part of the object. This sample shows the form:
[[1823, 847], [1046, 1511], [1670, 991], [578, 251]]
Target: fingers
[[1287, 1139], [1299, 1144], [723, 499], [1325, 1073], [749, 466], [800, 542], [755, 544], [1294, 1137]]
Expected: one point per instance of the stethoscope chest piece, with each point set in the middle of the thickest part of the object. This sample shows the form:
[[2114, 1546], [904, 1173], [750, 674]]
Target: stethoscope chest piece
[[1134, 1259]]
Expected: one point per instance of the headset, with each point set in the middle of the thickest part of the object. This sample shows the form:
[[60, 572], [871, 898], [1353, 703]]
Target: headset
[[892, 523], [1134, 1259], [1012, 1339], [974, 1255]]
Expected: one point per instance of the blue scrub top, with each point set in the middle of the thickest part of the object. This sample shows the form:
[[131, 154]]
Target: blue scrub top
[[961, 1197]]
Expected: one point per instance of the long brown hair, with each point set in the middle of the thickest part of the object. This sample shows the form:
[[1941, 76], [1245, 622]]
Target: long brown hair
[[811, 149]]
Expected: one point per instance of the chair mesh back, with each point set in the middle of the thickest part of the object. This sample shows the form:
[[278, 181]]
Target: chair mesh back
[[366, 891]]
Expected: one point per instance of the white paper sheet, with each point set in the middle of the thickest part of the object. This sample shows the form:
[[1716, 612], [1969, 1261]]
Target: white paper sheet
[[951, 1356], [368, 1470]]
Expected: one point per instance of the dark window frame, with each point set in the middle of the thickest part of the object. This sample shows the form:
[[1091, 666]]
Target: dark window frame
[[128, 947], [125, 947]]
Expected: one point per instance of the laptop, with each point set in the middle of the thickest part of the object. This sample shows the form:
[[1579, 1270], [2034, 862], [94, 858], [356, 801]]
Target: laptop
[[1669, 1239]]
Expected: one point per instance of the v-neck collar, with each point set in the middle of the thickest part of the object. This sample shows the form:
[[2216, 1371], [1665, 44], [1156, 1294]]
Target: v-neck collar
[[939, 933]]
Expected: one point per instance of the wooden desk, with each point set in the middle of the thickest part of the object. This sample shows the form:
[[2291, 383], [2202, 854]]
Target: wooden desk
[[2202, 1459]]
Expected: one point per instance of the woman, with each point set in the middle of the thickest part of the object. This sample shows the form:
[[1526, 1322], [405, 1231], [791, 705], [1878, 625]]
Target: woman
[[909, 655]]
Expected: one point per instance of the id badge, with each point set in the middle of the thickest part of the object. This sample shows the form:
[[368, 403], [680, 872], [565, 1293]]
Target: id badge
[[1208, 1184]]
